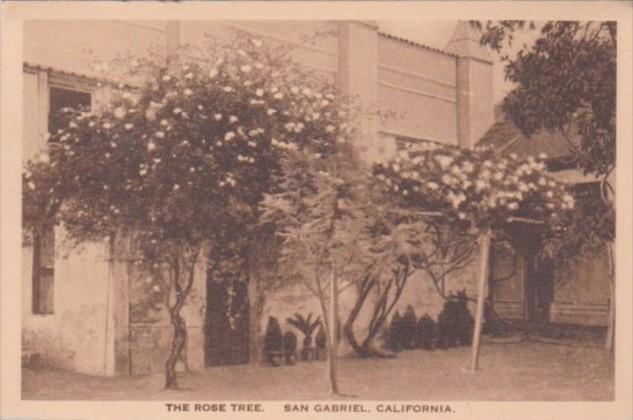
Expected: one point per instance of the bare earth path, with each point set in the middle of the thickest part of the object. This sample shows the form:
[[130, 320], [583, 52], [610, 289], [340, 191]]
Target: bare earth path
[[519, 371]]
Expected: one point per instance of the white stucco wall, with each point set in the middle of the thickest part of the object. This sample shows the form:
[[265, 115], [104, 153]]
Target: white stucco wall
[[74, 336], [74, 45]]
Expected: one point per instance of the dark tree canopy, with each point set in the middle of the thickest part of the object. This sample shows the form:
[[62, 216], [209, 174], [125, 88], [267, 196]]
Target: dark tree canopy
[[565, 82]]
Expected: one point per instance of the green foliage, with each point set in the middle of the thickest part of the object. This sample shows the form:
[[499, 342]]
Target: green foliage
[[427, 332], [290, 348], [394, 333], [272, 336], [455, 324], [321, 339], [306, 326], [409, 328]]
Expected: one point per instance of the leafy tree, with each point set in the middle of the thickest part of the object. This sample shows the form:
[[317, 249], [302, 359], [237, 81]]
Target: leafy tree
[[566, 82], [180, 163], [397, 236], [322, 230]]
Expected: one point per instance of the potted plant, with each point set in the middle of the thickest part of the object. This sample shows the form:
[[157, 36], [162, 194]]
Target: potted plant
[[290, 348], [273, 342], [321, 342], [455, 323], [307, 327], [427, 332], [409, 330], [394, 335]]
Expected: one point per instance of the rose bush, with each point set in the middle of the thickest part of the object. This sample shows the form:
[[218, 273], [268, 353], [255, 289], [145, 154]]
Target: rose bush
[[474, 186]]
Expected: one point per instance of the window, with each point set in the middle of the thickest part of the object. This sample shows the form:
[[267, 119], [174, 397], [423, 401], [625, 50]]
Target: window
[[61, 98], [44, 240], [44, 271]]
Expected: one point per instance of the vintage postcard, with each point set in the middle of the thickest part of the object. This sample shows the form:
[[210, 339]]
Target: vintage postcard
[[316, 210]]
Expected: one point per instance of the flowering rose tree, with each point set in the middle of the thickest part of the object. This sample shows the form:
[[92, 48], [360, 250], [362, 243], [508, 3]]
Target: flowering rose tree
[[477, 190], [180, 163]]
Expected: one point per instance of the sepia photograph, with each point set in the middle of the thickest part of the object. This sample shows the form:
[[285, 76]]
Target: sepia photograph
[[344, 216]]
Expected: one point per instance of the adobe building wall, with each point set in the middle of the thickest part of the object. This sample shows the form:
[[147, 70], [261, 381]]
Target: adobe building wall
[[418, 85], [76, 335], [78, 45], [149, 333], [581, 292], [79, 333]]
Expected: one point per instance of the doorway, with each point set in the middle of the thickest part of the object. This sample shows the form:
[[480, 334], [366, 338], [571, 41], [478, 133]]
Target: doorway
[[227, 321], [539, 288]]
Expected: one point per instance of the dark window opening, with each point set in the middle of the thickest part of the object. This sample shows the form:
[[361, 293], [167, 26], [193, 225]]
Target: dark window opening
[[44, 271], [61, 99]]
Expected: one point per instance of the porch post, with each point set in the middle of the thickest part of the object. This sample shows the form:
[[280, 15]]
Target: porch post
[[484, 244]]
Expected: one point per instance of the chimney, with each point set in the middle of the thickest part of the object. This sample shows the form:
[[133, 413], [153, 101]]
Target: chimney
[[475, 110]]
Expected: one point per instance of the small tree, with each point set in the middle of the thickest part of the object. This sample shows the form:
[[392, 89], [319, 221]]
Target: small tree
[[306, 326], [322, 232]]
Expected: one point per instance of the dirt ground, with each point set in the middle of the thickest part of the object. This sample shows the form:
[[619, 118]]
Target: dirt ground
[[524, 371]]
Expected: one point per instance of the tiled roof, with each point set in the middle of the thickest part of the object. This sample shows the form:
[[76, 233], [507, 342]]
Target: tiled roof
[[85, 76], [416, 44], [506, 137]]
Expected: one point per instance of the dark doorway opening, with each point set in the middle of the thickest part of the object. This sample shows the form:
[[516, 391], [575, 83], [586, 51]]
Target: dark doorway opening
[[227, 321], [539, 288]]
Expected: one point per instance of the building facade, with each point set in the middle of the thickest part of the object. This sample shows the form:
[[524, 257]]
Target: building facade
[[529, 286], [79, 305]]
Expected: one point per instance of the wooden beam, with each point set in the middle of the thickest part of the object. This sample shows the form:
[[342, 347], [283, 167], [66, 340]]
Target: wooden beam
[[484, 244], [526, 220]]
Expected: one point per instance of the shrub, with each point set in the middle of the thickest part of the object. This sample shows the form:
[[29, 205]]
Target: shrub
[[290, 348], [321, 342], [321, 338], [394, 338], [273, 341], [427, 332], [409, 328], [306, 326], [455, 323]]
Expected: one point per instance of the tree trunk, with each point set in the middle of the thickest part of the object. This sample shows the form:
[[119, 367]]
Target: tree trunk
[[383, 307], [484, 243], [179, 342], [333, 339], [348, 329], [609, 344], [177, 347]]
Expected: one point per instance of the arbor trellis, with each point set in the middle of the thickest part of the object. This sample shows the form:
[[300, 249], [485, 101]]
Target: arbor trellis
[[475, 189]]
